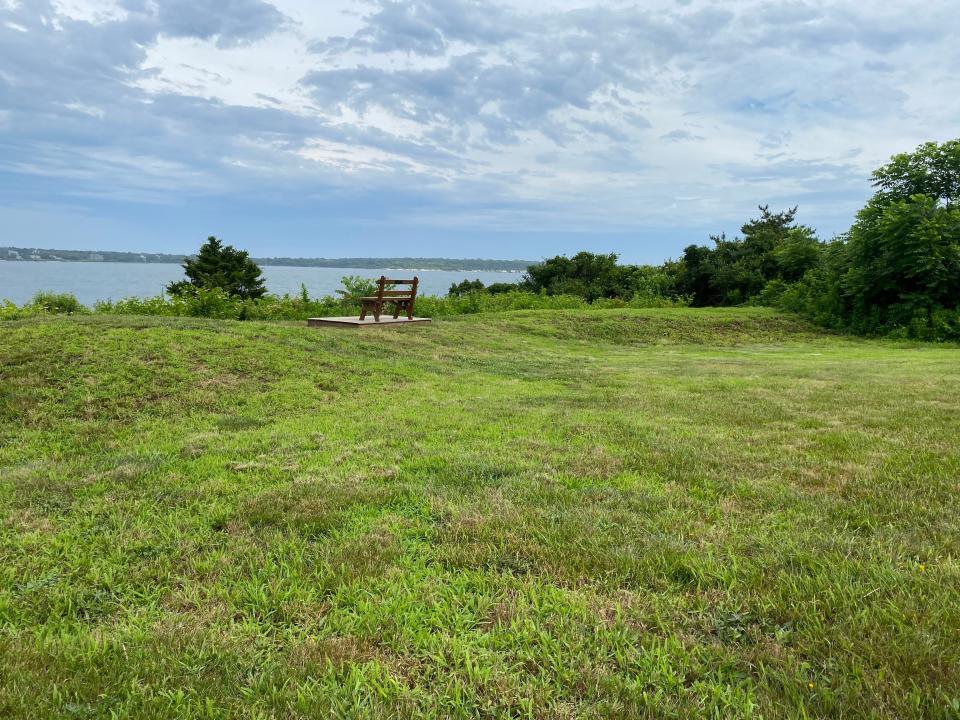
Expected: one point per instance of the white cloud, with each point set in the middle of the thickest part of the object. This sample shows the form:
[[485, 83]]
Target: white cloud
[[85, 109], [564, 112]]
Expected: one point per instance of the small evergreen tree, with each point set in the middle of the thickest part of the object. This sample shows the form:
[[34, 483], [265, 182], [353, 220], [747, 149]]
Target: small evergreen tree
[[224, 267]]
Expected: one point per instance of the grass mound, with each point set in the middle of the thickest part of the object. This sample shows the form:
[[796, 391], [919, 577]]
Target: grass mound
[[620, 513], [656, 326]]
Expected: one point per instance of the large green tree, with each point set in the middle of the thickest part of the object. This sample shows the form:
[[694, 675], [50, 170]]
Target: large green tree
[[901, 265], [773, 247], [898, 268], [224, 267], [903, 261], [933, 169]]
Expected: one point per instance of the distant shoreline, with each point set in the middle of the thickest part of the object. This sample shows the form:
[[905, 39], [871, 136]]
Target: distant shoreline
[[19, 254]]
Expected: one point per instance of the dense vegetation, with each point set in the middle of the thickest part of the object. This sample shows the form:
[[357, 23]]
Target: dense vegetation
[[896, 272], [589, 276], [215, 303], [592, 513], [898, 269], [773, 252]]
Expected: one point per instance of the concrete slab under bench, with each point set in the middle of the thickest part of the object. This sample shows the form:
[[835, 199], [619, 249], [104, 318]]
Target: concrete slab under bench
[[367, 322]]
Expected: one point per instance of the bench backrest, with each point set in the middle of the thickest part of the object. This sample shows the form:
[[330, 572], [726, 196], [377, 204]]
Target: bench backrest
[[384, 282]]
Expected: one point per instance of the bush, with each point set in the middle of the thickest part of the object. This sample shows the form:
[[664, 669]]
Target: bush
[[43, 303], [587, 275], [773, 249], [57, 303], [356, 287], [464, 287], [502, 287], [190, 301], [217, 304], [771, 294], [214, 303], [902, 264], [10, 311]]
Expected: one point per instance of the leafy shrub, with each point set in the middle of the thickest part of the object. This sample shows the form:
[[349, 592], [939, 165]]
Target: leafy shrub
[[502, 287], [773, 248], [772, 293], [356, 287], [189, 302], [902, 264], [57, 303], [10, 311], [43, 303], [466, 286], [214, 303], [587, 275], [217, 304]]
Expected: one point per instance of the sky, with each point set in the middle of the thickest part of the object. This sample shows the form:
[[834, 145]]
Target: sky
[[457, 128]]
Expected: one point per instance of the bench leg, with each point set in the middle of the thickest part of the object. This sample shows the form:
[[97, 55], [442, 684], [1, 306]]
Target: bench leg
[[363, 310], [396, 310], [377, 309]]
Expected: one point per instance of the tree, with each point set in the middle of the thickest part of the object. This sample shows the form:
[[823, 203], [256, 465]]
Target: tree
[[773, 249], [797, 254], [898, 268], [902, 262], [902, 257], [501, 287], [589, 275], [224, 267], [933, 169], [465, 287]]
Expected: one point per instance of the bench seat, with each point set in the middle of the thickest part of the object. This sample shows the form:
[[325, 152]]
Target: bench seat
[[401, 299]]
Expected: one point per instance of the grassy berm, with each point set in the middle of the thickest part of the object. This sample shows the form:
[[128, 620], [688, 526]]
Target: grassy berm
[[579, 514]]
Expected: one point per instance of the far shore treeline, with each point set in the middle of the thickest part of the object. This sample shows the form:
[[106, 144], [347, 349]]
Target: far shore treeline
[[399, 263], [896, 272]]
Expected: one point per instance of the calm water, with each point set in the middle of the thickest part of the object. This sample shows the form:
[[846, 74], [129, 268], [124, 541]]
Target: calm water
[[111, 281]]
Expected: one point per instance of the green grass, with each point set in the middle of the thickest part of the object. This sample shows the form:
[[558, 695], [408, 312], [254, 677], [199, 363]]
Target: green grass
[[572, 514]]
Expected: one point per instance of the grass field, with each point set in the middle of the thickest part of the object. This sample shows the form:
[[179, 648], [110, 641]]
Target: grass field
[[579, 514]]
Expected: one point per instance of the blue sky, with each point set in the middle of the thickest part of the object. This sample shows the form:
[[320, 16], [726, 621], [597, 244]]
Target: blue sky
[[459, 128]]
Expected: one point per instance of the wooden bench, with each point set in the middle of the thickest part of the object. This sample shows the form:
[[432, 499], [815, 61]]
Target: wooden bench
[[401, 299]]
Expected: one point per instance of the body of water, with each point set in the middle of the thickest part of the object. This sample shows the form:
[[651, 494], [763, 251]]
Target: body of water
[[19, 281]]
